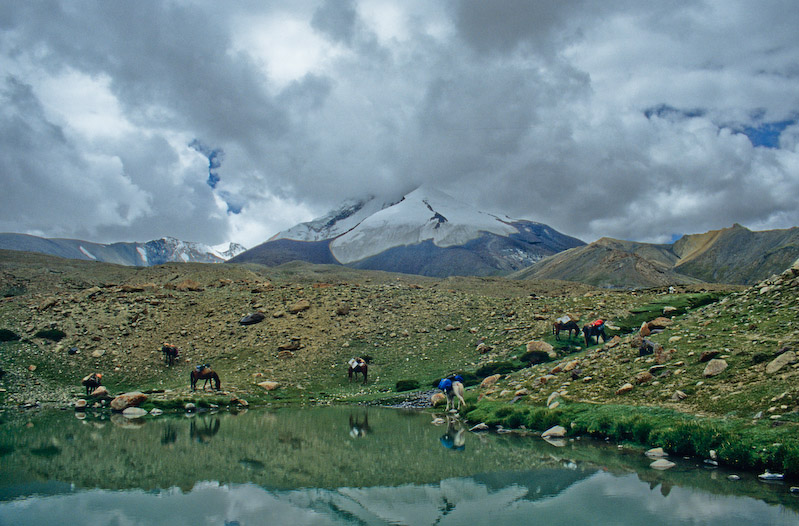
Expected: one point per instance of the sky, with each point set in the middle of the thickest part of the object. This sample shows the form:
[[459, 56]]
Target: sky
[[231, 121]]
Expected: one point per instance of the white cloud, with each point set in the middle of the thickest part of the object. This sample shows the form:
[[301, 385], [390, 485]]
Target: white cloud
[[599, 119]]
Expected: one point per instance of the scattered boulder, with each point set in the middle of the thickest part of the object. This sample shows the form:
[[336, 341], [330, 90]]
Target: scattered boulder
[[80, 405], [489, 381], [293, 345], [101, 393], [285, 355], [125, 400], [538, 345], [299, 306], [656, 452], [438, 399], [714, 367], [786, 358], [190, 407], [644, 330], [626, 388], [678, 396], [269, 385], [659, 323], [252, 319], [643, 377]]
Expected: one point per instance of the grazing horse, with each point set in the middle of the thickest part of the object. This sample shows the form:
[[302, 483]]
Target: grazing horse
[[594, 329], [171, 353], [453, 389], [358, 365], [568, 326], [206, 373], [92, 382]]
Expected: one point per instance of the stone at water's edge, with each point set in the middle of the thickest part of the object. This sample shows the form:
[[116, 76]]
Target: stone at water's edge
[[554, 432], [438, 399], [134, 412], [123, 401]]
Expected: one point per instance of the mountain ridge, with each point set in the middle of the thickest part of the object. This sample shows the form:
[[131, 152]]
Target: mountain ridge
[[136, 254]]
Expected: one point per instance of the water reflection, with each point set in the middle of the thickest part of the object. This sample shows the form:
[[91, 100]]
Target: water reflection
[[359, 425], [305, 467], [455, 437]]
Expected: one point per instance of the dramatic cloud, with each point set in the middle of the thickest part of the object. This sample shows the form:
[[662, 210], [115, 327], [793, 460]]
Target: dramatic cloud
[[229, 122]]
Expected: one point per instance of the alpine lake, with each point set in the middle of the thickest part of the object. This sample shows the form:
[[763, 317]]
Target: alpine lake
[[349, 465]]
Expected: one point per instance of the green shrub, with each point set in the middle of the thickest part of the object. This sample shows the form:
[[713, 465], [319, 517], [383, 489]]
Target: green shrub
[[490, 369], [51, 334], [407, 385], [8, 336], [535, 357]]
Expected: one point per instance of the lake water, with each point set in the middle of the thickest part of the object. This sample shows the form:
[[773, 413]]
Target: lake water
[[356, 465]]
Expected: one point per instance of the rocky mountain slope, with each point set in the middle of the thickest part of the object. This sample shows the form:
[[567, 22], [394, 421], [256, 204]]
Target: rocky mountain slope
[[733, 255], [426, 232], [155, 252]]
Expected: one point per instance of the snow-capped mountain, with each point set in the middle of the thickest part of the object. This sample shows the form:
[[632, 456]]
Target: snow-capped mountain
[[155, 252], [426, 232]]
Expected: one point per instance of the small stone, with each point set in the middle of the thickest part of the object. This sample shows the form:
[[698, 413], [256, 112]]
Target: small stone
[[190, 407], [656, 452], [554, 432]]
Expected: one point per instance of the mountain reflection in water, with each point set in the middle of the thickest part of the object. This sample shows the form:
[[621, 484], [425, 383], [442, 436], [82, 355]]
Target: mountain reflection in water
[[346, 466]]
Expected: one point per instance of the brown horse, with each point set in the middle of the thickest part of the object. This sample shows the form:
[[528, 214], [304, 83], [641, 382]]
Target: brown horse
[[171, 353], [206, 373], [358, 365], [569, 326], [594, 330]]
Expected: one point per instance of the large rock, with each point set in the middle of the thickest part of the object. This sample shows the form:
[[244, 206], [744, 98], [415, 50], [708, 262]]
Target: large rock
[[134, 412], [659, 323], [489, 381], [269, 385], [626, 388], [554, 432], [438, 399], [644, 331], [123, 401], [538, 345], [714, 367], [299, 306], [101, 393], [786, 358]]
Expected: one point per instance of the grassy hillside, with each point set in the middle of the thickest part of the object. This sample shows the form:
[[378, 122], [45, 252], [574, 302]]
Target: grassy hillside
[[62, 319]]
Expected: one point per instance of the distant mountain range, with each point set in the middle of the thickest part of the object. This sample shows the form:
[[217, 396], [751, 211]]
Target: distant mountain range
[[426, 232], [156, 252], [429, 233], [734, 255]]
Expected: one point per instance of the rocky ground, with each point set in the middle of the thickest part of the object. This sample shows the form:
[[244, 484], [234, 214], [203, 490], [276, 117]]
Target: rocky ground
[[64, 319]]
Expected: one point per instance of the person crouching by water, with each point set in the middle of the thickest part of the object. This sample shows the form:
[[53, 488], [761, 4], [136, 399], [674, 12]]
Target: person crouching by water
[[453, 389]]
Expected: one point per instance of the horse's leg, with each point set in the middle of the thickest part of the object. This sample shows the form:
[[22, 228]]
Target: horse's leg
[[364, 371]]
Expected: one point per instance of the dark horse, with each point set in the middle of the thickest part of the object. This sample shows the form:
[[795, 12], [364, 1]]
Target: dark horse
[[569, 326], [92, 382], [206, 373], [358, 365], [592, 330], [171, 353]]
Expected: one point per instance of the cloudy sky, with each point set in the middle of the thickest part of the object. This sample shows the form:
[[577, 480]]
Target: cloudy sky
[[230, 121]]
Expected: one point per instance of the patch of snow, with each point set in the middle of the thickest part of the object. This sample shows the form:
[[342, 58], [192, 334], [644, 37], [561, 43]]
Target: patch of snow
[[86, 253], [142, 254], [424, 214]]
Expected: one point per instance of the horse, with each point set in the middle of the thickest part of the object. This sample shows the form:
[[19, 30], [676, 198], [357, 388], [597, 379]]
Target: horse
[[171, 353], [358, 365], [592, 330], [92, 382], [455, 394], [206, 373], [569, 326]]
